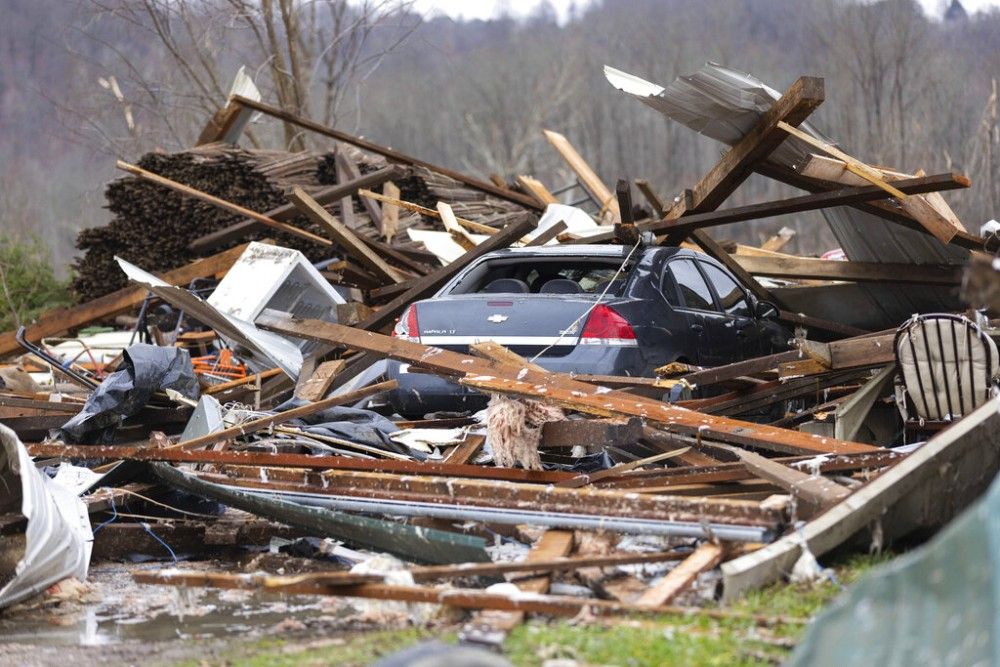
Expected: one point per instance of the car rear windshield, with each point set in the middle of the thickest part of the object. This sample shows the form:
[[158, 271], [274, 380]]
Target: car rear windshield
[[545, 275]]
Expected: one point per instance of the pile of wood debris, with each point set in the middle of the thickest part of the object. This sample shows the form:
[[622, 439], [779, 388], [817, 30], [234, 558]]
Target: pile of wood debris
[[711, 491]]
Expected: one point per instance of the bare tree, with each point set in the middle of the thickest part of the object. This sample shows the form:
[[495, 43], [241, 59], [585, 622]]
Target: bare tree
[[305, 55]]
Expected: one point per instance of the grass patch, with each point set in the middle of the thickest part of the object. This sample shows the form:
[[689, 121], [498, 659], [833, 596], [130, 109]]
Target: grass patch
[[631, 642]]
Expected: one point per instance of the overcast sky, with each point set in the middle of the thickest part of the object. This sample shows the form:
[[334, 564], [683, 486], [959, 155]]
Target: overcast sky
[[484, 9]]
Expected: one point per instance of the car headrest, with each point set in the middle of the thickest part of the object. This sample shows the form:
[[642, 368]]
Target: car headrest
[[506, 286], [561, 286], [614, 289]]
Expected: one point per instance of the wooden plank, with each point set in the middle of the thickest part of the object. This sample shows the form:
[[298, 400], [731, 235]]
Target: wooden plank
[[392, 155], [918, 208], [471, 225], [466, 450], [802, 268], [536, 189], [255, 425], [55, 322], [451, 225], [814, 492], [544, 237], [704, 558], [854, 165], [430, 283], [881, 210], [286, 212], [343, 236], [736, 165], [591, 182], [319, 382], [554, 387], [346, 202], [351, 172], [966, 450], [552, 544], [717, 374], [219, 202], [811, 202]]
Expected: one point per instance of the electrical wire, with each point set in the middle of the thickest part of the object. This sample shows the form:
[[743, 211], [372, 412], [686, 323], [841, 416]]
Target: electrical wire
[[576, 322]]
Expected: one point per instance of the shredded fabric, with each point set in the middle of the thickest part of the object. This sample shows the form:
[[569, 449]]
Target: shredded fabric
[[514, 429]]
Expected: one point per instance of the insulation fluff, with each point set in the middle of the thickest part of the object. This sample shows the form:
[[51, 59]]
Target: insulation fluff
[[514, 428]]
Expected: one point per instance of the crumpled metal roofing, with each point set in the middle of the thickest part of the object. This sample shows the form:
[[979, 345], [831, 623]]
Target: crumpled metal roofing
[[58, 538], [724, 104]]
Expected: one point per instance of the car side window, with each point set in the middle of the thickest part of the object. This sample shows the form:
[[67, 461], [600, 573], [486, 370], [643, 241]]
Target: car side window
[[731, 295], [694, 291]]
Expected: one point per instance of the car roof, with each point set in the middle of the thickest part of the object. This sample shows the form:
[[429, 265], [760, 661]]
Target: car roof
[[575, 250]]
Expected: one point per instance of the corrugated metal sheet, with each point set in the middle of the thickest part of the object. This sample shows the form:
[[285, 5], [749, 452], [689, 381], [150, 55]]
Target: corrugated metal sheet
[[724, 104], [58, 538]]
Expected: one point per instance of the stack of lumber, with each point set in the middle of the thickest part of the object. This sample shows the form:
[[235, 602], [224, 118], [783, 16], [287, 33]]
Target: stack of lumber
[[153, 227]]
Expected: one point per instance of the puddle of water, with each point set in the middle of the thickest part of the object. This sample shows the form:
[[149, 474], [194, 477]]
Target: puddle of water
[[121, 611]]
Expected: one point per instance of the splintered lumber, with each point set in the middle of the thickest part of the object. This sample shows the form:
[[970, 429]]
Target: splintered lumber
[[466, 450], [614, 471], [914, 493], [591, 182], [388, 153], [241, 382], [709, 376], [350, 171], [801, 268], [736, 165], [319, 382], [704, 558], [427, 285], [280, 418], [428, 545], [883, 210], [472, 226], [852, 164], [536, 189], [55, 322], [811, 202], [555, 388], [814, 492], [343, 236], [286, 212], [279, 460], [470, 598], [859, 352], [918, 208], [451, 225], [930, 209], [552, 544], [545, 236], [221, 203], [504, 501]]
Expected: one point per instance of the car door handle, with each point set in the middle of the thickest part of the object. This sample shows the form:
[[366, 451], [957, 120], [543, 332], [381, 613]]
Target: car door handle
[[697, 328]]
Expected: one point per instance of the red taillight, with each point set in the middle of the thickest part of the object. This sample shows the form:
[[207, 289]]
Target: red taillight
[[407, 327], [606, 326]]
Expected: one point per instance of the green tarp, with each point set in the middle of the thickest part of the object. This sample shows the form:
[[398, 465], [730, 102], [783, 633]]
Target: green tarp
[[937, 605]]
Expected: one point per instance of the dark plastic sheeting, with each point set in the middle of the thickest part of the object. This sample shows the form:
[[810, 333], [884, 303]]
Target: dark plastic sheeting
[[144, 370]]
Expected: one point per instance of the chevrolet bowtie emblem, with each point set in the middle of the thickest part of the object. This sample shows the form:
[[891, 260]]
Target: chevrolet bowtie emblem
[[496, 318]]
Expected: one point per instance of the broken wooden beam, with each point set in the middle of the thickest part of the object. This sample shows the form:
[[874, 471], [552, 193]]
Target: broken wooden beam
[[286, 212], [344, 237], [553, 387], [388, 153]]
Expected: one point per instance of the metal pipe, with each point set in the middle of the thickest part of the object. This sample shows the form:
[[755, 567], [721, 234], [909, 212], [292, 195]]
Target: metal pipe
[[513, 517]]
